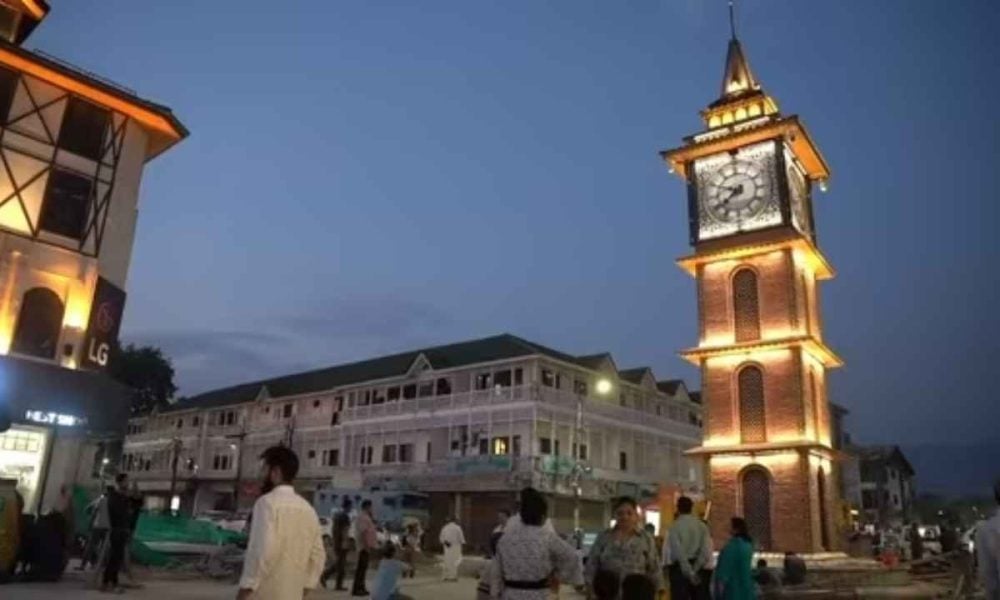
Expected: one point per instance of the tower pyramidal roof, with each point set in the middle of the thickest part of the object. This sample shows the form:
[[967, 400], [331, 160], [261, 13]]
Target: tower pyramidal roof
[[737, 79]]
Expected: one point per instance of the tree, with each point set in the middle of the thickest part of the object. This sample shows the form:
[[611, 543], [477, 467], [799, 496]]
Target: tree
[[147, 371]]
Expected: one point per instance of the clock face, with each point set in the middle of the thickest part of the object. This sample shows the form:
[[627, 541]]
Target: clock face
[[737, 191], [799, 193]]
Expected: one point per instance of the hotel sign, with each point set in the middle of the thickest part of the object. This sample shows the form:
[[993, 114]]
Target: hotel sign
[[51, 418], [105, 320]]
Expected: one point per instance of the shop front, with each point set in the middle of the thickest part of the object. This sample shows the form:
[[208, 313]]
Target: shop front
[[58, 427]]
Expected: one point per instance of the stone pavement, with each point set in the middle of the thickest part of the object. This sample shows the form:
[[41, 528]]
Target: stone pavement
[[425, 587]]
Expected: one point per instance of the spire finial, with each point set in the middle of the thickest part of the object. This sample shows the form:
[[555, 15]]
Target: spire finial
[[732, 19]]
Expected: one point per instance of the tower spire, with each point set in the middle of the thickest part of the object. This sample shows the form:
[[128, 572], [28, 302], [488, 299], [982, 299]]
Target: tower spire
[[732, 19], [737, 78]]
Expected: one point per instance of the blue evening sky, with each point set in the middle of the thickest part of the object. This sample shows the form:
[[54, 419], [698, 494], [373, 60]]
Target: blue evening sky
[[368, 177]]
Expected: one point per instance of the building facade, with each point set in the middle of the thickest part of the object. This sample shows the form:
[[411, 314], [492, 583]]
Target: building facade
[[73, 146], [468, 423], [768, 441], [887, 486]]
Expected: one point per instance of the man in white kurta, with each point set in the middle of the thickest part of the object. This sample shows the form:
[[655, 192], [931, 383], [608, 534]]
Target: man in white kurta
[[451, 538], [285, 555]]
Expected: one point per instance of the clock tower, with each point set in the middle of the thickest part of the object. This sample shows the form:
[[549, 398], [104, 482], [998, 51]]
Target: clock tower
[[750, 175]]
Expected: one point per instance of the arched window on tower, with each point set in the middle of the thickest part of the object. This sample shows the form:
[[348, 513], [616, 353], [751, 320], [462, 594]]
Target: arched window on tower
[[755, 489], [750, 383], [746, 306], [38, 324], [824, 533]]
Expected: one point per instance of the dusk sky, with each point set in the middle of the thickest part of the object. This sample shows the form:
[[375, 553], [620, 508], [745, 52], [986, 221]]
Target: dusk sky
[[370, 177]]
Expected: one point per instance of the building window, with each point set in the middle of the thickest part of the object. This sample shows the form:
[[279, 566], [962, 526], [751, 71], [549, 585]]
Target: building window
[[406, 453], [315, 403], [38, 324], [425, 390], [746, 306], [483, 381], [197, 421], [518, 376], [221, 462], [580, 387], [409, 391], [83, 127], [331, 457], [312, 454], [502, 378], [366, 455], [8, 85], [484, 446], [230, 418], [180, 423], [443, 387], [756, 492], [286, 411], [67, 199], [580, 451], [544, 445], [751, 397], [428, 450], [389, 454], [548, 378], [623, 461], [501, 446], [392, 394]]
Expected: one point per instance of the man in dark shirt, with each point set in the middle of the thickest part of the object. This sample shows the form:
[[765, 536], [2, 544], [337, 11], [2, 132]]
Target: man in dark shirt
[[341, 526], [120, 517]]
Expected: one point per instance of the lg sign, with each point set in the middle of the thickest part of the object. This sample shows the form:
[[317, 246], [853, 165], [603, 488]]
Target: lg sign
[[105, 318], [106, 323]]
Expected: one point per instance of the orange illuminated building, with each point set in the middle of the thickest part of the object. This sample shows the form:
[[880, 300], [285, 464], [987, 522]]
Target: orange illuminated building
[[763, 359], [73, 147]]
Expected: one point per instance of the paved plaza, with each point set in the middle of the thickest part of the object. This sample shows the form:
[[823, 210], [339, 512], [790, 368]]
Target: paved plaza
[[421, 588]]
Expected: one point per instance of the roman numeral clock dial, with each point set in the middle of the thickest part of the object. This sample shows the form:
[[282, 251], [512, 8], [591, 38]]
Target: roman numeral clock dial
[[737, 191]]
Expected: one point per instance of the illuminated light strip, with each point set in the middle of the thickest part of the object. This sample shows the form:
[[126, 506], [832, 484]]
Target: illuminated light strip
[[143, 115], [767, 459], [812, 256], [816, 349], [789, 128], [759, 447], [37, 10]]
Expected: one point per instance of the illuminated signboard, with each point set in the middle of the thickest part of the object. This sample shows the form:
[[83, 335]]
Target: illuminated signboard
[[105, 318], [51, 418]]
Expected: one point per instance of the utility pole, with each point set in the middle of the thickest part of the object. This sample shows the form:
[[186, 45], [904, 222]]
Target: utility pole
[[176, 446], [238, 449]]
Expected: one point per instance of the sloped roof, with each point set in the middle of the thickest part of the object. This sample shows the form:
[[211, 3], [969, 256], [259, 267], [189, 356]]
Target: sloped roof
[[669, 386], [394, 365], [634, 375], [885, 453]]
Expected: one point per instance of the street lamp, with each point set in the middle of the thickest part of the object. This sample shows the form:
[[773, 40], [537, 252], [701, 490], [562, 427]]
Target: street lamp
[[603, 388]]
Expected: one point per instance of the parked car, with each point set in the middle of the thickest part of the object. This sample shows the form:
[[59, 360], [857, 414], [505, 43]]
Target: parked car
[[225, 520]]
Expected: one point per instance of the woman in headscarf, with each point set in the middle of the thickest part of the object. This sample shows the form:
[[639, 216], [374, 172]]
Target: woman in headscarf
[[626, 548]]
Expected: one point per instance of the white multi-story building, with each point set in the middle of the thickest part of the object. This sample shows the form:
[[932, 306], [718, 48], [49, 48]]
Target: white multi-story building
[[468, 423], [73, 146]]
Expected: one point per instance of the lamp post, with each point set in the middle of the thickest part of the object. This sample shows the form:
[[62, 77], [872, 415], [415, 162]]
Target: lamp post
[[603, 388], [176, 446], [237, 447]]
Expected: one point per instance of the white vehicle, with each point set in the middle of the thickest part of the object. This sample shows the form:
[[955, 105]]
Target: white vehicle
[[224, 520]]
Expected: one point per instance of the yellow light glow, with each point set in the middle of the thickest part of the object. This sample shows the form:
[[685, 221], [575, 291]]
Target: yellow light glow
[[34, 8], [603, 386], [766, 460], [716, 441], [140, 113], [811, 256]]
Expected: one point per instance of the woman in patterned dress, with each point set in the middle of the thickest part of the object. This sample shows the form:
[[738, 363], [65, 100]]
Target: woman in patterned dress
[[626, 549], [528, 557]]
